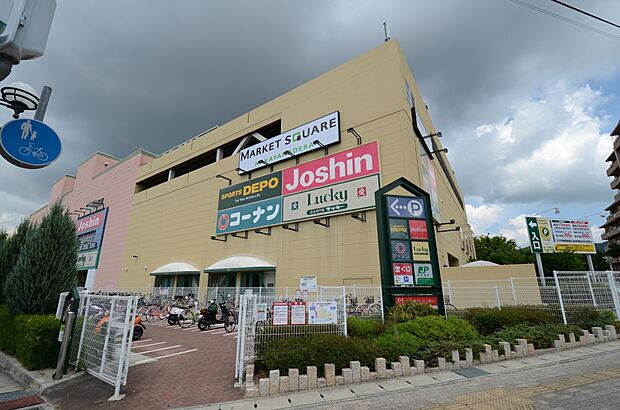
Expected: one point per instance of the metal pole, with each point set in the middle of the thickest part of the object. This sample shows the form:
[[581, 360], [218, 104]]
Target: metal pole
[[557, 287], [541, 272], [46, 92], [590, 263], [344, 309], [499, 304], [63, 346], [591, 290], [514, 293], [614, 292]]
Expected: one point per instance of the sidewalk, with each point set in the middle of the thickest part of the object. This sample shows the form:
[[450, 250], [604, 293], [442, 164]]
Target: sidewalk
[[14, 395], [585, 377]]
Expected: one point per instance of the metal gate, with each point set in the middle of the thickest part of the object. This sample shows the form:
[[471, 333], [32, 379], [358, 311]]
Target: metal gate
[[105, 330], [255, 330]]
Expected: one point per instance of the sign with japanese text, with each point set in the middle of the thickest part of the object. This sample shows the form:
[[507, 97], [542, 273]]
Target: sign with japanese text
[[89, 230], [297, 141], [403, 274], [559, 235], [308, 283], [298, 313], [253, 216], [423, 273], [260, 312], [340, 183], [426, 299], [322, 313], [348, 196], [279, 314], [399, 229], [401, 251], [257, 189]]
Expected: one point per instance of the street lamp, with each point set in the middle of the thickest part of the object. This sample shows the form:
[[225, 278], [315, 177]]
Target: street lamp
[[19, 97]]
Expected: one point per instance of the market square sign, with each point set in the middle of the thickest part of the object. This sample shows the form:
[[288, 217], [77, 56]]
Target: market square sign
[[298, 141]]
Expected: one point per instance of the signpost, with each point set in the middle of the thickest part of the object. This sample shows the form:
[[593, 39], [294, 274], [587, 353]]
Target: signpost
[[29, 143], [407, 248], [559, 235]]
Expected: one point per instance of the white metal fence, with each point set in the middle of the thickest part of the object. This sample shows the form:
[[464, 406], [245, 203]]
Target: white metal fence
[[561, 295], [260, 321], [102, 335]]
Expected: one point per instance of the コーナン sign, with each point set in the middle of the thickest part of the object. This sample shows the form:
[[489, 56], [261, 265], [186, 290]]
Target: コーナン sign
[[343, 182], [297, 141]]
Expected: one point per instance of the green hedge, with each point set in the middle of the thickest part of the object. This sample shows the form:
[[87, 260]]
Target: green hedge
[[408, 311], [489, 320], [588, 317], [316, 350], [541, 336], [364, 328], [30, 338]]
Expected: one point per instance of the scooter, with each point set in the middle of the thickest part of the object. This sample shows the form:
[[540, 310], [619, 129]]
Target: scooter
[[138, 326], [208, 317]]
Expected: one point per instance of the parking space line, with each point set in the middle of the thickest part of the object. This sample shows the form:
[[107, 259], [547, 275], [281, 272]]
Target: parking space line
[[163, 348], [228, 334], [150, 344], [175, 354], [141, 341]]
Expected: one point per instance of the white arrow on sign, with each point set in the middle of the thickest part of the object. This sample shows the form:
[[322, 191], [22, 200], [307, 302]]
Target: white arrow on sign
[[394, 207], [532, 224]]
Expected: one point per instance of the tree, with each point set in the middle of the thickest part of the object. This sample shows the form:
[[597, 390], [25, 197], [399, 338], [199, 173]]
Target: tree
[[10, 249], [498, 249], [46, 265]]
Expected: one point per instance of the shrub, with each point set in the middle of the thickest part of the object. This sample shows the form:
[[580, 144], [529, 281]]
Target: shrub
[[433, 328], [364, 328], [409, 311], [588, 316], [36, 337], [391, 345], [7, 332], [316, 350], [541, 336], [443, 348], [490, 320]]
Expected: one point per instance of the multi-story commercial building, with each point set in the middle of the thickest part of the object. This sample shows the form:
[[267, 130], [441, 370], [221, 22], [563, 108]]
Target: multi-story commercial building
[[286, 190], [99, 196], [612, 224]]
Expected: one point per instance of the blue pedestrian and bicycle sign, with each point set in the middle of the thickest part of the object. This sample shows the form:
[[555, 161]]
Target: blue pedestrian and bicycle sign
[[29, 143]]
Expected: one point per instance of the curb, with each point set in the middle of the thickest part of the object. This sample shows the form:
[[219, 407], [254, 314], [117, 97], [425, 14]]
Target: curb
[[36, 381]]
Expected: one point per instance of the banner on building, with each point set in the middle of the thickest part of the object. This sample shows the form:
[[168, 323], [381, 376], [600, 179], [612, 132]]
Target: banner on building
[[298, 141], [89, 230], [559, 235], [344, 182]]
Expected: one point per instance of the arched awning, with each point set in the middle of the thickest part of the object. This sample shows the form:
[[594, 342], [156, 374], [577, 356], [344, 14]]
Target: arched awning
[[176, 268], [240, 264]]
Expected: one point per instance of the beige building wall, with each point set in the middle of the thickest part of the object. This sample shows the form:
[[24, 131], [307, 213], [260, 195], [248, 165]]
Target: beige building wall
[[173, 221]]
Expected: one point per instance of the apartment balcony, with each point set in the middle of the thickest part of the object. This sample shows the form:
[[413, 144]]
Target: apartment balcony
[[617, 144], [611, 233], [611, 157], [615, 184], [611, 219], [613, 169]]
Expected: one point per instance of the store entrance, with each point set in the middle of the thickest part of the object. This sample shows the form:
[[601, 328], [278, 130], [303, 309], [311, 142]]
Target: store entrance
[[81, 278]]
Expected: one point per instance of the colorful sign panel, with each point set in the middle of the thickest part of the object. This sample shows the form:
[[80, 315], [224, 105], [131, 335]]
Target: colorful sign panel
[[265, 187], [297, 141], [29, 143], [410, 248], [89, 230], [322, 313], [308, 283], [340, 183], [252, 216], [342, 166], [334, 199], [559, 235], [426, 299]]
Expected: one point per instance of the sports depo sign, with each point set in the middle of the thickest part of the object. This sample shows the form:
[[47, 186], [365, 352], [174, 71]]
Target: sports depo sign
[[339, 183]]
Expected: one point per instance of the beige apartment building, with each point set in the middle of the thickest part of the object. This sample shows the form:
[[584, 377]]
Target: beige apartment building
[[234, 207]]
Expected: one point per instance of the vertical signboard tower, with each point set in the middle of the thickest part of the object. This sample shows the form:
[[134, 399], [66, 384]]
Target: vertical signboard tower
[[407, 247]]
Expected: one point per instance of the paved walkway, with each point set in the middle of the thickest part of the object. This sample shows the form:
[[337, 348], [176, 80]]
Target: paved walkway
[[587, 377], [14, 395]]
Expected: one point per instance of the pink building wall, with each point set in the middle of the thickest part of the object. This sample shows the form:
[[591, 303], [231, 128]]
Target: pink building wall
[[113, 179]]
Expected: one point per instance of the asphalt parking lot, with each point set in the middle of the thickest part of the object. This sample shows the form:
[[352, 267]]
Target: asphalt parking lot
[[169, 367]]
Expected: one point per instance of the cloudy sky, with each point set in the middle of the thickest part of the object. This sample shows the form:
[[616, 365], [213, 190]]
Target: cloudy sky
[[525, 101]]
